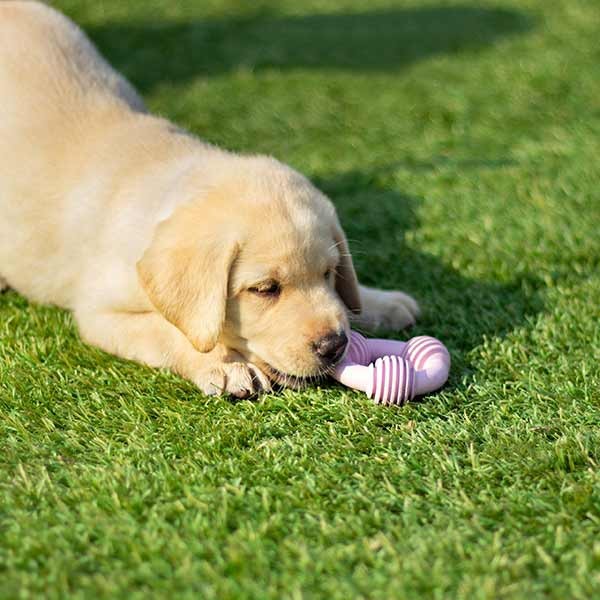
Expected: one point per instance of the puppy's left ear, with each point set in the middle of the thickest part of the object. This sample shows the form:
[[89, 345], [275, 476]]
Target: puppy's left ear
[[185, 272], [346, 282]]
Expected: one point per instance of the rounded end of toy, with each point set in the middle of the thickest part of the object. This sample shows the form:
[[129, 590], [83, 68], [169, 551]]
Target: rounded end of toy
[[431, 361], [432, 378], [355, 376]]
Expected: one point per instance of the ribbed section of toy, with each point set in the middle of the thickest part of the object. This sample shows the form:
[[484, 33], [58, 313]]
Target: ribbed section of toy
[[393, 381], [419, 351]]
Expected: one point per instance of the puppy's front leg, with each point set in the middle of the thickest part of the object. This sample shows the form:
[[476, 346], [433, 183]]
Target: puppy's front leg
[[382, 309], [149, 338]]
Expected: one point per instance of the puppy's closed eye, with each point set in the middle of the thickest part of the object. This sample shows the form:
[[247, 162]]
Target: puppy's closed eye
[[268, 289]]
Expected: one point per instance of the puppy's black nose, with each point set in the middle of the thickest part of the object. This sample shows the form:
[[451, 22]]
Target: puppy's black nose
[[331, 347]]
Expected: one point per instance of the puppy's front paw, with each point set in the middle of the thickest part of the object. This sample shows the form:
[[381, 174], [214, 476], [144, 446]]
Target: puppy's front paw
[[389, 310], [237, 378]]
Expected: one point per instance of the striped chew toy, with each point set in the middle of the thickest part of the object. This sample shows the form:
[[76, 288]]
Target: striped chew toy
[[401, 370]]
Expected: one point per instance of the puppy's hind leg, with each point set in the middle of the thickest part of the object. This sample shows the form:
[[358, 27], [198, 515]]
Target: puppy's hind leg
[[3, 284], [149, 338]]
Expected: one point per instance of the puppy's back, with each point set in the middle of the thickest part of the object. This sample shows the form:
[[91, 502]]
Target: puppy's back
[[46, 58]]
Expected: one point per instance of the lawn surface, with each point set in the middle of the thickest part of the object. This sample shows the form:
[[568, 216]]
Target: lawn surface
[[461, 143]]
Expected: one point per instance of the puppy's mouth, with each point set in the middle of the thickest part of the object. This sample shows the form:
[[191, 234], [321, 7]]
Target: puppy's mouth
[[294, 382], [282, 379]]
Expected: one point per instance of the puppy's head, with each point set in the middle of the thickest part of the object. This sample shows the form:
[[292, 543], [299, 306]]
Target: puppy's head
[[261, 265]]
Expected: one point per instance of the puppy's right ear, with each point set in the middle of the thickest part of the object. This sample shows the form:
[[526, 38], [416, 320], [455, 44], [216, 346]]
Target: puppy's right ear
[[185, 272]]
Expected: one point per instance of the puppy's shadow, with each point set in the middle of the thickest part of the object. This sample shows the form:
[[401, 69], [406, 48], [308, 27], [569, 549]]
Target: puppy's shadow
[[459, 310], [157, 51]]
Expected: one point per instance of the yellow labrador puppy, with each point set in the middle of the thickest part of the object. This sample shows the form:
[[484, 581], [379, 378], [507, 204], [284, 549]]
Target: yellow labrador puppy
[[230, 270]]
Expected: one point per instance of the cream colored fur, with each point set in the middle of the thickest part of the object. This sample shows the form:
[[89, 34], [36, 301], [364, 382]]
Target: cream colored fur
[[162, 245]]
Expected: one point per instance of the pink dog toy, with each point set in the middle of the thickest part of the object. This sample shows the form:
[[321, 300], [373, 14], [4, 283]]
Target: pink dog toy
[[402, 370]]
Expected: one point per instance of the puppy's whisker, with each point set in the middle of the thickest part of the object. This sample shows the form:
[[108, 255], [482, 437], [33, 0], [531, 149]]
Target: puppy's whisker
[[354, 241]]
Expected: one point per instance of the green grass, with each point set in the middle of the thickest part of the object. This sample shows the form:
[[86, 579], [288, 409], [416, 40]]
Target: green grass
[[461, 144]]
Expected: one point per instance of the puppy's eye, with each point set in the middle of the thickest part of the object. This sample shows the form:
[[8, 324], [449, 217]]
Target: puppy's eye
[[328, 274], [271, 289]]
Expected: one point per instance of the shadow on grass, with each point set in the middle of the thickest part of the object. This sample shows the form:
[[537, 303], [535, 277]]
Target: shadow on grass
[[163, 51], [459, 310]]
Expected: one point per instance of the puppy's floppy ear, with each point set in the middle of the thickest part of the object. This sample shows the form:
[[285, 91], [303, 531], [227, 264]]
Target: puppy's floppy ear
[[185, 272], [346, 282]]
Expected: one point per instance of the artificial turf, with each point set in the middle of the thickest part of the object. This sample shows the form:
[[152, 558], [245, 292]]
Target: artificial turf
[[461, 144]]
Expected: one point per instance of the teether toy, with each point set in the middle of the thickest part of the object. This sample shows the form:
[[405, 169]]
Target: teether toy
[[401, 370]]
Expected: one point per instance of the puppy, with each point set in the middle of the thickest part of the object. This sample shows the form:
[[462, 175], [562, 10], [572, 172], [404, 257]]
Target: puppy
[[232, 271]]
